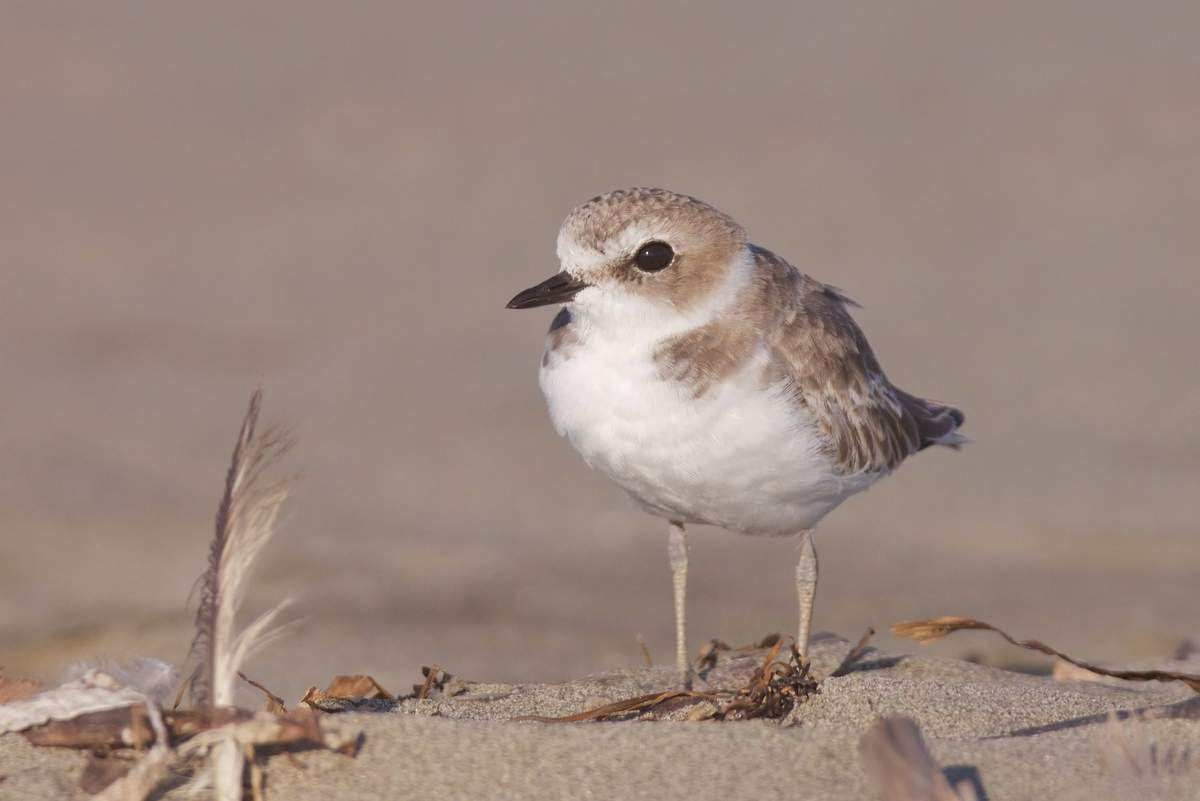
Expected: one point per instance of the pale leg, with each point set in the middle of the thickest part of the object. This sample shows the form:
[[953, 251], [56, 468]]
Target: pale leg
[[806, 589], [678, 552]]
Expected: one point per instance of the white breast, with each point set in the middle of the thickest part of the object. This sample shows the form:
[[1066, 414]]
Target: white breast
[[741, 456]]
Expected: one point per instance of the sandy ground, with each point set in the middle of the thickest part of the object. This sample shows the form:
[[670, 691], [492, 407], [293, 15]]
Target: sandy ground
[[335, 202], [1013, 737]]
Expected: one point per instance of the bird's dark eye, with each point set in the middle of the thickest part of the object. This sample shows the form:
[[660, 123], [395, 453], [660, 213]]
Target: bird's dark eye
[[654, 256]]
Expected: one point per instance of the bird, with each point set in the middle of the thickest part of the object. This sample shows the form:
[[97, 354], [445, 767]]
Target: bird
[[714, 382]]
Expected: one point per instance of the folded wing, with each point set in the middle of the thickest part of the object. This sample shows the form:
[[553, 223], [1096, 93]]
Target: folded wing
[[821, 355]]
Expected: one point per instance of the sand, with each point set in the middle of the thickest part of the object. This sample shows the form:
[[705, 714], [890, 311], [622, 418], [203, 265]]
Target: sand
[[1016, 737]]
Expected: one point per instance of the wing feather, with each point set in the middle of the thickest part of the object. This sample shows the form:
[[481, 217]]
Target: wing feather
[[823, 357]]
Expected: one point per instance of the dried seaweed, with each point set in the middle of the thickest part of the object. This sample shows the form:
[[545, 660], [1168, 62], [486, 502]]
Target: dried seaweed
[[773, 692], [924, 631]]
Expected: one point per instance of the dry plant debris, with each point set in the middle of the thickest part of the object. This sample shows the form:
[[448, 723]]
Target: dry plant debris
[[345, 693], [898, 762], [92, 692], [436, 681], [856, 653], [358, 686], [98, 712], [924, 631], [321, 701], [431, 678], [274, 704], [772, 693]]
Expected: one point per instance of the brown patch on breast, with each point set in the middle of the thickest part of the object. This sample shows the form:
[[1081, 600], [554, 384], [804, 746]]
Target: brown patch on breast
[[560, 339], [706, 355]]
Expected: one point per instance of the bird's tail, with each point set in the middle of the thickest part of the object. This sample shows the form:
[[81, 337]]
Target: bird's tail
[[937, 423]]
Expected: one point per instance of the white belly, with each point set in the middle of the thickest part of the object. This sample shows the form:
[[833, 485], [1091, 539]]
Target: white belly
[[740, 457]]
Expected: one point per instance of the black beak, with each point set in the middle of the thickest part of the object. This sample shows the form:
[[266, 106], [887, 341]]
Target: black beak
[[559, 288]]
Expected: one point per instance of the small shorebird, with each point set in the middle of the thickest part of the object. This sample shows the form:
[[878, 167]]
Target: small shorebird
[[714, 382]]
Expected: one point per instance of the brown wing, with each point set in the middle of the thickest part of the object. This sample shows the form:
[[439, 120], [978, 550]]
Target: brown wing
[[820, 352]]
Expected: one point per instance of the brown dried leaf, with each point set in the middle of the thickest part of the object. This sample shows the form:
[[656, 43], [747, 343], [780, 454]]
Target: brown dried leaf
[[897, 760], [14, 689], [358, 686], [924, 631], [274, 703]]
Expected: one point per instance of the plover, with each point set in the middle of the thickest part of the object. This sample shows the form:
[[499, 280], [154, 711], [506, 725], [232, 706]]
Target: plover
[[714, 382]]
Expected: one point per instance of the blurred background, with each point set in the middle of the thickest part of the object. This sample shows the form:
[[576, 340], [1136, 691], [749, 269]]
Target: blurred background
[[335, 201]]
